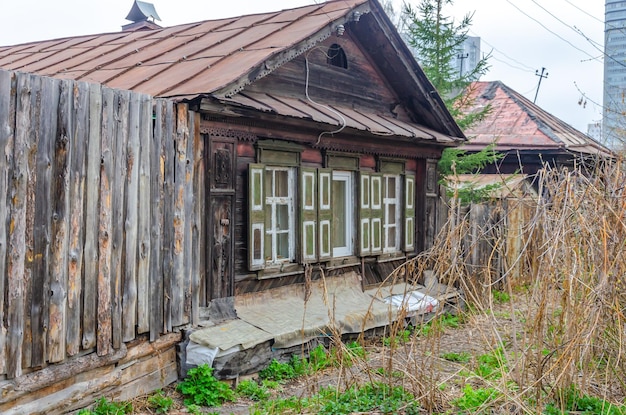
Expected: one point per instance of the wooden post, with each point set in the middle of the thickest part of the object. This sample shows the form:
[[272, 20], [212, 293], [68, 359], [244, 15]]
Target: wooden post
[[43, 220], [60, 226], [7, 129], [169, 157], [156, 216], [92, 213], [144, 220], [17, 230], [104, 330], [197, 230], [129, 318]]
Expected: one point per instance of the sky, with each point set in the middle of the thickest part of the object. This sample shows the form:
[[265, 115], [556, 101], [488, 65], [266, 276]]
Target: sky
[[565, 37]]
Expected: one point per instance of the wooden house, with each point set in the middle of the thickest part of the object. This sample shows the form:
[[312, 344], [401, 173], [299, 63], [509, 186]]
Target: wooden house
[[303, 139], [528, 136]]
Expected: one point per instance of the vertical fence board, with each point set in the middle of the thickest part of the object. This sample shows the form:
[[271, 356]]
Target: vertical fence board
[[179, 275], [118, 214], [42, 224], [60, 226], [7, 129], [17, 230], [92, 214], [80, 129], [143, 236], [189, 209], [167, 152], [35, 121], [197, 234], [129, 320], [104, 230], [156, 216]]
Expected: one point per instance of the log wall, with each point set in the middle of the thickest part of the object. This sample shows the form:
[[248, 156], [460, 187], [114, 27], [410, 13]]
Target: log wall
[[99, 226]]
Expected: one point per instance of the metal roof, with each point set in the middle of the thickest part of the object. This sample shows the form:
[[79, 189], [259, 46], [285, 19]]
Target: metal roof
[[516, 123], [181, 61], [217, 59]]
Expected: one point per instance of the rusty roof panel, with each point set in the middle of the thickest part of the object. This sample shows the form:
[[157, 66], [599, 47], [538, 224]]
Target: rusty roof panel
[[517, 123]]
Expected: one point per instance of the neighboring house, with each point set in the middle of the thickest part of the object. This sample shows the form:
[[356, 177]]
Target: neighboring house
[[528, 136], [317, 133]]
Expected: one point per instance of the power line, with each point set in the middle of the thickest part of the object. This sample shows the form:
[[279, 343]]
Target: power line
[[554, 33], [588, 14], [528, 68]]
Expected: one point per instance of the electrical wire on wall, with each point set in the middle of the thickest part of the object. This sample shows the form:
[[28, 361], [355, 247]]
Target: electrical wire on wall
[[306, 92]]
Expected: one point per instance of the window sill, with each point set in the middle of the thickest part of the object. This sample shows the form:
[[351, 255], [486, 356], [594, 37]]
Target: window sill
[[279, 271], [391, 257], [348, 261]]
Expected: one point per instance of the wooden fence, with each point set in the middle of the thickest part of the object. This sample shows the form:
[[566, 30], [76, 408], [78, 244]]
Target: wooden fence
[[100, 233]]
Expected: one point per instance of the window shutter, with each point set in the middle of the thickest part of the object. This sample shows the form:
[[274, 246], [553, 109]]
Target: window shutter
[[365, 231], [376, 213], [308, 214], [325, 214], [256, 217], [409, 213]]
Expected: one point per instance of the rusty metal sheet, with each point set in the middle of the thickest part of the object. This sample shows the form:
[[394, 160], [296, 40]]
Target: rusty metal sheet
[[515, 122]]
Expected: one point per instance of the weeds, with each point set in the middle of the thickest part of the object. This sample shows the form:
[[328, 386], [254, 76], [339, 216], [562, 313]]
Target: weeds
[[200, 387], [106, 407]]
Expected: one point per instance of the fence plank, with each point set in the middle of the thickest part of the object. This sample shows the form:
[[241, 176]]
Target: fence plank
[[129, 308], [35, 121], [156, 216], [42, 224], [197, 242], [117, 213], [91, 217], [60, 226], [7, 129], [80, 129], [143, 236], [179, 276], [167, 152], [189, 209], [17, 230], [104, 331]]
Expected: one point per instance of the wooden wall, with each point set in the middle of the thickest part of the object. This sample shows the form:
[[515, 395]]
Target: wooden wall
[[100, 232]]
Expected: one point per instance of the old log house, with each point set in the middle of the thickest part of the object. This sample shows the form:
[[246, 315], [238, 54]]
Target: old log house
[[251, 153]]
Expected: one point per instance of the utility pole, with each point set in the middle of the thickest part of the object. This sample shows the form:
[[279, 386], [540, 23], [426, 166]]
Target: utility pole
[[541, 76], [462, 57]]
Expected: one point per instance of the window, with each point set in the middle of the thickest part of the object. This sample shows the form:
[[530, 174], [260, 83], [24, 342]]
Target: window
[[342, 209], [337, 57], [391, 208], [271, 215]]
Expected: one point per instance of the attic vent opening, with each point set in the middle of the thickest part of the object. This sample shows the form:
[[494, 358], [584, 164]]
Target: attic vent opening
[[337, 57]]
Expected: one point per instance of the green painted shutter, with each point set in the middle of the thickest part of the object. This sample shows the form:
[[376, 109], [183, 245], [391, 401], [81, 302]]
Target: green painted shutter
[[308, 214], [325, 213], [376, 213], [409, 213], [256, 217], [365, 231]]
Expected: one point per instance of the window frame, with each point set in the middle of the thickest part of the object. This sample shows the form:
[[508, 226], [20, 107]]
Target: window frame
[[349, 212]]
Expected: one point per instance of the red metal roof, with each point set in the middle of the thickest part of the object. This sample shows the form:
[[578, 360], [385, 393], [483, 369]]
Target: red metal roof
[[516, 123], [181, 61]]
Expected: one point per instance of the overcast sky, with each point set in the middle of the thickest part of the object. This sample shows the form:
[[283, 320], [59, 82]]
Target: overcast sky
[[563, 36]]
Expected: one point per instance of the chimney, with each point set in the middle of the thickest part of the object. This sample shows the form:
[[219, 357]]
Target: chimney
[[142, 15]]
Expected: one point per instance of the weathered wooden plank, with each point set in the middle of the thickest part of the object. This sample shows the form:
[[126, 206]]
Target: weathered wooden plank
[[7, 130], [129, 309], [92, 214], [104, 331], [77, 177], [169, 157], [118, 214], [31, 382], [17, 230], [179, 276], [43, 219], [156, 217], [143, 236], [60, 225], [197, 234], [35, 118], [190, 277]]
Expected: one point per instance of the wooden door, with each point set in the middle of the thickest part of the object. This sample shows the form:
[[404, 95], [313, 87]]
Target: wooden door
[[220, 224]]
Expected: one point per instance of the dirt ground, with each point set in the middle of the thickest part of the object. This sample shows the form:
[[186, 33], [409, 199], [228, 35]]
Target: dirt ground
[[476, 335]]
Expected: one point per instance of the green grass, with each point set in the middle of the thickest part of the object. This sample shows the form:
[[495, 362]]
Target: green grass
[[462, 357], [106, 407]]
